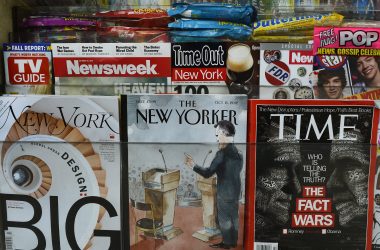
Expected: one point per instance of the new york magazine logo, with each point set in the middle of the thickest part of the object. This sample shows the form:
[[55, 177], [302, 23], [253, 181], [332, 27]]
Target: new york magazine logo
[[28, 70]]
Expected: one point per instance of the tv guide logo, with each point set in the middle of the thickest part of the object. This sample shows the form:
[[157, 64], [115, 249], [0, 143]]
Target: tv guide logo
[[28, 70]]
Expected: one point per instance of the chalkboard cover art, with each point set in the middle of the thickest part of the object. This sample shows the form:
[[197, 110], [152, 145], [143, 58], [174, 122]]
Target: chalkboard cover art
[[310, 169]]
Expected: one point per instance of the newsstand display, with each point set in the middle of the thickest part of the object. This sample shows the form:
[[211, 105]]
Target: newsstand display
[[144, 124]]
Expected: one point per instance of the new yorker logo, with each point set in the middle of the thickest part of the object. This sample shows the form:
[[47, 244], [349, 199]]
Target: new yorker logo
[[76, 67], [68, 116]]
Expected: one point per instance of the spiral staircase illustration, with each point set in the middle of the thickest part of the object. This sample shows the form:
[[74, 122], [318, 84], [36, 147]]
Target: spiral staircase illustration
[[31, 174]]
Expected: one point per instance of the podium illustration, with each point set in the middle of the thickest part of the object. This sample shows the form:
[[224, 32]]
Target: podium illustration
[[210, 229], [161, 191]]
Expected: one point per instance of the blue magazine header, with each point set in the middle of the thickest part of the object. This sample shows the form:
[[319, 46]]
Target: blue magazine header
[[22, 47]]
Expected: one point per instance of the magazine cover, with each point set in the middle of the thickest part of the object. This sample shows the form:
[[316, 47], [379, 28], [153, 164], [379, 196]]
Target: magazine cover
[[111, 68], [186, 170], [60, 172], [28, 68], [376, 200], [331, 78], [355, 49], [215, 68], [311, 174], [286, 71], [376, 210]]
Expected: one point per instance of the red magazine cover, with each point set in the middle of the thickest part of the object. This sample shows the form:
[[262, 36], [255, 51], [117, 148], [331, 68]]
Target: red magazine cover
[[310, 173]]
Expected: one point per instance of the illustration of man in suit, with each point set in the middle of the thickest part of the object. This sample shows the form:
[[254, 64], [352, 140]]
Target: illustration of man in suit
[[227, 164]]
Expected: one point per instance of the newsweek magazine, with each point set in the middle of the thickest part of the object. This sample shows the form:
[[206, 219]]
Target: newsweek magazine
[[215, 68], [311, 174], [60, 172], [286, 71], [354, 50], [111, 68], [28, 68], [186, 159]]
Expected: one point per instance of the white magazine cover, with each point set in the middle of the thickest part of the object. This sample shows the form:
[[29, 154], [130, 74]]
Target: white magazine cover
[[28, 68], [164, 132], [286, 71], [60, 172], [111, 68]]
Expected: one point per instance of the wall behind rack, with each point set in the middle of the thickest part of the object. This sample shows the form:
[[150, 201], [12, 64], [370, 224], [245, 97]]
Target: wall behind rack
[[5, 31]]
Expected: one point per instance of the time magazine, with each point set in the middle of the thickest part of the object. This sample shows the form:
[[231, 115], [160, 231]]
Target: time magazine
[[311, 171]]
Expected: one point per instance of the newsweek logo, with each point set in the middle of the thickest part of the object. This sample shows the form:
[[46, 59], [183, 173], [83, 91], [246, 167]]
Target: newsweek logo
[[106, 67], [74, 67], [28, 70], [301, 57]]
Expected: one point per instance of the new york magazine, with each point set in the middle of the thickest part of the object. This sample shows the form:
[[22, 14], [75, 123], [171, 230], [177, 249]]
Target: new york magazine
[[60, 172]]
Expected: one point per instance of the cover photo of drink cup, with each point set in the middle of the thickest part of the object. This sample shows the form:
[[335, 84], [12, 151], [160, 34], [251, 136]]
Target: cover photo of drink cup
[[240, 69], [215, 68]]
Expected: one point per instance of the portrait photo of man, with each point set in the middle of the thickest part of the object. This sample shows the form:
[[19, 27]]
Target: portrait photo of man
[[227, 164], [367, 71], [331, 83]]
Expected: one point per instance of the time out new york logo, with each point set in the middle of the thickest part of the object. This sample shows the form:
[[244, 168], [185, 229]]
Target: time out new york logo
[[28, 70]]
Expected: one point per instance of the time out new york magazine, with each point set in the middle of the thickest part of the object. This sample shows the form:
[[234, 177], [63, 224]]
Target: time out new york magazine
[[60, 172], [186, 170], [311, 174]]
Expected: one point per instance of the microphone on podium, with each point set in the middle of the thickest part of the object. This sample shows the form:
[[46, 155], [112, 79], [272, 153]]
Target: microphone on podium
[[163, 158], [209, 152]]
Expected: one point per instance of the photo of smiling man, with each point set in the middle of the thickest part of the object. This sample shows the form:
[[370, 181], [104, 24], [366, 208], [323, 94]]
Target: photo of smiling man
[[365, 73]]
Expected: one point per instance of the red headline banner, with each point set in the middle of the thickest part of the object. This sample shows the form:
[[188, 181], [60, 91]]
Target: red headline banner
[[313, 205], [314, 191], [29, 70], [199, 74], [326, 220], [112, 67], [301, 57]]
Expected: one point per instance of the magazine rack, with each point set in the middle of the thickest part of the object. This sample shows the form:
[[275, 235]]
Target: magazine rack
[[161, 187]]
